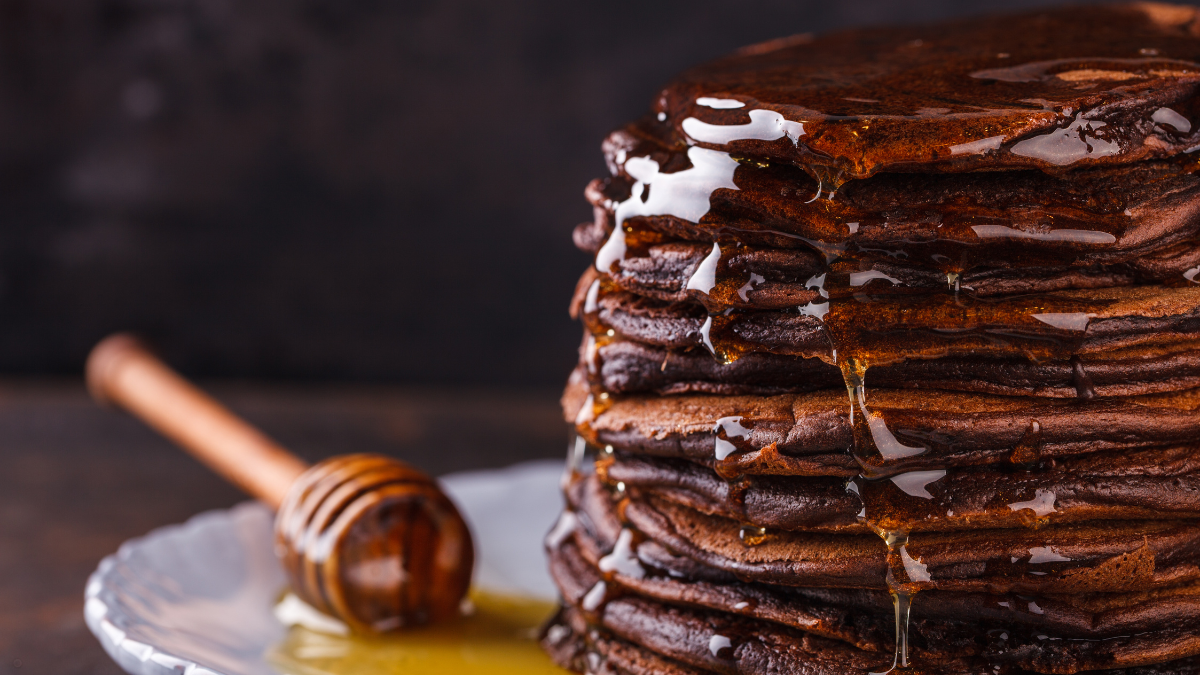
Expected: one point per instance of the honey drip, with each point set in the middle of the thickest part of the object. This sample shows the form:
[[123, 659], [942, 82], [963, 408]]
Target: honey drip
[[875, 446], [877, 450], [905, 577], [753, 535]]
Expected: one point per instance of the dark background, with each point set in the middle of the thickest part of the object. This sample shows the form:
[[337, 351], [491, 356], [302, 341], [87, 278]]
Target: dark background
[[331, 189]]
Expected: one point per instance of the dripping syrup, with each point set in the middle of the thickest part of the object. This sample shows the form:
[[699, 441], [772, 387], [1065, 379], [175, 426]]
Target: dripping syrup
[[876, 449]]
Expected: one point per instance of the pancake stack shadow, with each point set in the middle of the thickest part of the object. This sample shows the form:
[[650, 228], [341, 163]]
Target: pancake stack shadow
[[892, 359]]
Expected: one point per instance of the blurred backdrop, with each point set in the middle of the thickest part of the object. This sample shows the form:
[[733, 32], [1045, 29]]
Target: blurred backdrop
[[331, 189]]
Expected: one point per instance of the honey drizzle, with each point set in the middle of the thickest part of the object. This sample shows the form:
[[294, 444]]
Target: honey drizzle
[[873, 438]]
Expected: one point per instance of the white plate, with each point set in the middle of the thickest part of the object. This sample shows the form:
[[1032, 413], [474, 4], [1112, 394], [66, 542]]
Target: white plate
[[197, 598]]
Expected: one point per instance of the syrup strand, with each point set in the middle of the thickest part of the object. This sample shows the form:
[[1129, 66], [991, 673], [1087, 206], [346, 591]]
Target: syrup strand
[[874, 447], [902, 601]]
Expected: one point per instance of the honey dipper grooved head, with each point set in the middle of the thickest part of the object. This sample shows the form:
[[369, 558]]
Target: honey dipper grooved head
[[374, 542]]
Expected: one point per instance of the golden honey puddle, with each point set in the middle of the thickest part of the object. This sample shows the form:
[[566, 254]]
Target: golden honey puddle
[[497, 638]]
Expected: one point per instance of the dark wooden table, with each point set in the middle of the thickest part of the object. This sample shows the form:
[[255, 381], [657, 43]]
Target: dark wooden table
[[77, 480]]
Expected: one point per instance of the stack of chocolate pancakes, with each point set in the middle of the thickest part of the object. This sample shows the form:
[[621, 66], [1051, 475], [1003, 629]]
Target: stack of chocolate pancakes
[[892, 359]]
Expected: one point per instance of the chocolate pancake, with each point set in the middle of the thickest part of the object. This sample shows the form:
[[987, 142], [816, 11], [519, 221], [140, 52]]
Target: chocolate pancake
[[623, 366], [1106, 557], [953, 222], [1044, 327], [1138, 485], [808, 434], [946, 98], [626, 367], [752, 277]]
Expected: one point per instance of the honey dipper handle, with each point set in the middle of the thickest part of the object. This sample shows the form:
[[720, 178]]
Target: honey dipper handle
[[120, 370]]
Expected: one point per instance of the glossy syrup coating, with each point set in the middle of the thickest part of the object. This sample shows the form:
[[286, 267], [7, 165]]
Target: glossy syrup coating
[[1107, 84], [374, 542]]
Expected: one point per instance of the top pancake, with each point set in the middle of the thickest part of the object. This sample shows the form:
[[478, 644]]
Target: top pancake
[[1053, 89], [947, 222]]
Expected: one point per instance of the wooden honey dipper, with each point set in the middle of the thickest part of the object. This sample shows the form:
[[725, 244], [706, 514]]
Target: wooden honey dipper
[[366, 538]]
